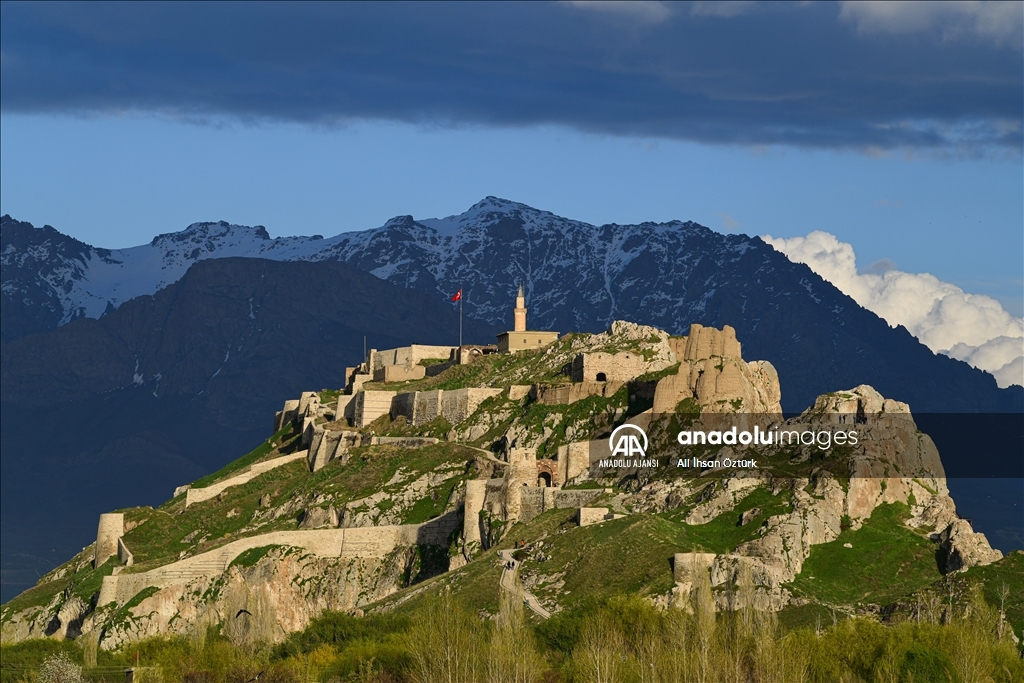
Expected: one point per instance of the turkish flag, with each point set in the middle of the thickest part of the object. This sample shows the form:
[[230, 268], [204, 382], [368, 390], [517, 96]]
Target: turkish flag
[[458, 296]]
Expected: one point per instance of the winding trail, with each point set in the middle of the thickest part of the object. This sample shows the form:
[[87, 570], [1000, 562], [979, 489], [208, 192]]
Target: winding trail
[[508, 582]]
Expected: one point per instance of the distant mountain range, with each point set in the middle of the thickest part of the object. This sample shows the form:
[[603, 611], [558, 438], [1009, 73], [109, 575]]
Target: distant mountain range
[[128, 372], [578, 277]]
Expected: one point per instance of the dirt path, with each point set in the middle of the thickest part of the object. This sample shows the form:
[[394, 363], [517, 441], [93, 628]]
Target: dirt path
[[508, 582]]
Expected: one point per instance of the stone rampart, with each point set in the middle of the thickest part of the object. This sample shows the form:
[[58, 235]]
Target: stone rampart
[[287, 414], [459, 404], [345, 409], [614, 367], [574, 498], [123, 554], [404, 405], [353, 543], [588, 516], [437, 368], [306, 427], [420, 407], [574, 458], [685, 564], [369, 405], [519, 391], [410, 355], [358, 380], [399, 373], [560, 394], [309, 402], [476, 490], [194, 495], [325, 446], [426, 406], [533, 500], [494, 496], [403, 441], [111, 528]]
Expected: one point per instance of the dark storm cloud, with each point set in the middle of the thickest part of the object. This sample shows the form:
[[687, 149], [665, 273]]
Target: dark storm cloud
[[815, 75]]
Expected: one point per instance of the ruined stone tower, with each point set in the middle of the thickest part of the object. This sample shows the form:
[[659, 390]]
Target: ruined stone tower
[[520, 311]]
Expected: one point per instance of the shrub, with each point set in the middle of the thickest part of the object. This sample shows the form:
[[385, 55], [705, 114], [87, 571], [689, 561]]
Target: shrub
[[59, 668]]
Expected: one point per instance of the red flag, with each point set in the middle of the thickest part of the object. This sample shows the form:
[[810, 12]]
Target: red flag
[[458, 296]]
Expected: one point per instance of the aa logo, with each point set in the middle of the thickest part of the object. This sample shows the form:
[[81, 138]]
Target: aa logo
[[629, 441]]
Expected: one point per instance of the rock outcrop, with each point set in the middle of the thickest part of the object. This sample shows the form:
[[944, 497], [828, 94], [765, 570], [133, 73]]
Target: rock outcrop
[[965, 547], [713, 374], [892, 463]]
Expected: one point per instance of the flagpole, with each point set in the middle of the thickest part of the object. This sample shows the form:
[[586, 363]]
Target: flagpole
[[460, 322]]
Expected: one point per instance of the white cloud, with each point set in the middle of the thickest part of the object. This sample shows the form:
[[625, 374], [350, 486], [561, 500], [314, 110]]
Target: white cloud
[[970, 327], [649, 11], [725, 10], [994, 22], [1011, 373]]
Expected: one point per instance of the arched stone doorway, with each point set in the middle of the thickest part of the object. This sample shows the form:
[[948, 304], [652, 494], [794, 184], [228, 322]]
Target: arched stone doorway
[[543, 480]]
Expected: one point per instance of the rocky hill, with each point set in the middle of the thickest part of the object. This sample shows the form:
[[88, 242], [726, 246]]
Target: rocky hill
[[492, 473], [578, 277], [106, 413]]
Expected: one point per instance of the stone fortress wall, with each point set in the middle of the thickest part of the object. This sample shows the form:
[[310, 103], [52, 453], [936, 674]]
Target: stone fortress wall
[[369, 405], [198, 495], [403, 364], [352, 543], [456, 405], [600, 367], [408, 356]]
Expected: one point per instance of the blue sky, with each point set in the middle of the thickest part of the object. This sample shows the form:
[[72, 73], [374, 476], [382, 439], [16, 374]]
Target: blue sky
[[898, 130]]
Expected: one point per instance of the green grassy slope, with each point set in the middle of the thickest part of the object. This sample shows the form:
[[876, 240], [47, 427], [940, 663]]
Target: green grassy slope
[[885, 561]]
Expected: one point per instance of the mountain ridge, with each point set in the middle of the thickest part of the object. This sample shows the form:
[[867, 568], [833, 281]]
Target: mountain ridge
[[579, 277]]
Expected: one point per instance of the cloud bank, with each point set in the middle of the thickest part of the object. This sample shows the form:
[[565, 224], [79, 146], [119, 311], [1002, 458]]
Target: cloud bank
[[970, 327], [811, 75], [995, 22]]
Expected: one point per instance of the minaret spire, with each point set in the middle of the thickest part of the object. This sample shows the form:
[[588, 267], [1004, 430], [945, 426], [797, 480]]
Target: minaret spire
[[519, 311]]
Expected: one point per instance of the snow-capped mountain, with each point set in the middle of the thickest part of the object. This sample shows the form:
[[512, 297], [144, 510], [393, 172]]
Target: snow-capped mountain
[[577, 276], [488, 249], [71, 279]]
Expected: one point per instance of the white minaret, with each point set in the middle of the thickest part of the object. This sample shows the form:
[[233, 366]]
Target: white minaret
[[520, 311]]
